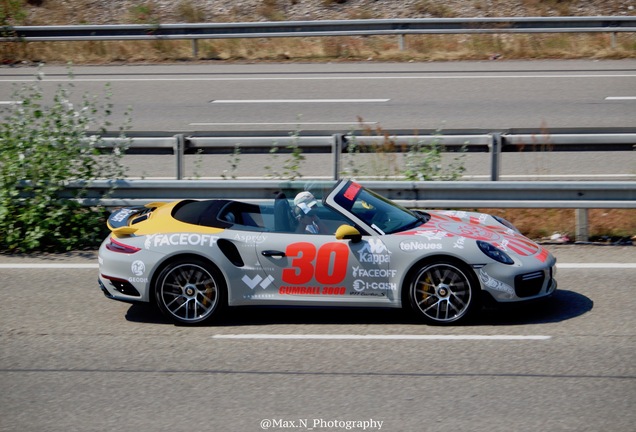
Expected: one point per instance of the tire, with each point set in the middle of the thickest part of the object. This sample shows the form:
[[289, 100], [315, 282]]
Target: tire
[[443, 293], [190, 291]]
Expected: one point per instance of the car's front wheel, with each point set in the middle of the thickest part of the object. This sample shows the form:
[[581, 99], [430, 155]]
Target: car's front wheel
[[443, 293], [190, 291]]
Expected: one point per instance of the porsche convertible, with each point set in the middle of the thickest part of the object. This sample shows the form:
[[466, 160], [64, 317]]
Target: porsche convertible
[[336, 244]]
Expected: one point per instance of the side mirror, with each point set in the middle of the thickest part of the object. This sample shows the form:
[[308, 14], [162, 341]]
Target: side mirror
[[347, 232]]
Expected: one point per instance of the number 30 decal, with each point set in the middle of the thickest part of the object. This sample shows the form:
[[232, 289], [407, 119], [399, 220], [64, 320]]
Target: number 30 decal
[[327, 264]]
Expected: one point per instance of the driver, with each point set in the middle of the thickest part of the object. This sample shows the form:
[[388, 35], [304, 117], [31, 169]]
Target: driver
[[305, 208]]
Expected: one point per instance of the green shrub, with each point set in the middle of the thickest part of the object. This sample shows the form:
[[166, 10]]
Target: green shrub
[[292, 165], [423, 162], [12, 12], [44, 146], [422, 159]]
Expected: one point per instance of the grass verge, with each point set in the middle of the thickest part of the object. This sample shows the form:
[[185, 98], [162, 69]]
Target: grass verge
[[605, 225], [341, 48]]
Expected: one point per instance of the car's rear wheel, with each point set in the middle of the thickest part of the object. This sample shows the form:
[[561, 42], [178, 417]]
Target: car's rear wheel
[[444, 292], [190, 291]]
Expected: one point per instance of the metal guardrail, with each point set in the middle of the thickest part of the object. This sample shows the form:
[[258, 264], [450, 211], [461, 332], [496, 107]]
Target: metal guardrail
[[322, 28], [399, 27], [337, 143], [435, 194], [456, 194]]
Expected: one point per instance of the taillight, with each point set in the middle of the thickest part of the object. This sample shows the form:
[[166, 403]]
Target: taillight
[[119, 247]]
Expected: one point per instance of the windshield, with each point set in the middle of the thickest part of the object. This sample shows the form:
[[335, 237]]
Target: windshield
[[384, 216]]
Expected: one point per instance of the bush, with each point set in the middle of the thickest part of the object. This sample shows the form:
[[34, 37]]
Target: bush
[[44, 146], [423, 162], [422, 159]]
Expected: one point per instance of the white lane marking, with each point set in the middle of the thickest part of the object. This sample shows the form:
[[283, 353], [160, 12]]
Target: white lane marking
[[566, 175], [284, 124], [59, 266], [596, 265], [7, 266], [10, 102], [543, 176], [260, 101], [620, 98], [380, 337], [321, 78]]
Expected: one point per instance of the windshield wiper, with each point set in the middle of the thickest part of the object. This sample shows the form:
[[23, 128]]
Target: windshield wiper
[[422, 218]]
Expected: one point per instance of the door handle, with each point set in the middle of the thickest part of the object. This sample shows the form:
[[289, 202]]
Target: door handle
[[273, 253]]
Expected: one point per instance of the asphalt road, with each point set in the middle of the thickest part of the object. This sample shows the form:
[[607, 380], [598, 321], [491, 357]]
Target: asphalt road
[[494, 95], [72, 360], [334, 96]]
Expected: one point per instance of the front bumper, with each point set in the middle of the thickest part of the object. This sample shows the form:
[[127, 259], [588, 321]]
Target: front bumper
[[505, 286]]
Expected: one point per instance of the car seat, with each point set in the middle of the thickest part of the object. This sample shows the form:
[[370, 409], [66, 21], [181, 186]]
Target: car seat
[[284, 220]]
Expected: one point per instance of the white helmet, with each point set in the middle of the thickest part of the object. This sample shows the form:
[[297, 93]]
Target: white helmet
[[305, 201]]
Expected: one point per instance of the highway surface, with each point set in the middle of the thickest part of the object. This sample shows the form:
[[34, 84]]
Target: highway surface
[[412, 96], [340, 97], [72, 360]]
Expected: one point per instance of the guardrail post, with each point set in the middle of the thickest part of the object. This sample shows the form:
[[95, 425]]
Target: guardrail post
[[401, 42], [495, 155], [613, 40], [195, 48], [336, 149], [179, 149], [582, 231]]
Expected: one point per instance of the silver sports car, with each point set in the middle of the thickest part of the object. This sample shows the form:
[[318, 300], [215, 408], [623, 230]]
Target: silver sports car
[[332, 245]]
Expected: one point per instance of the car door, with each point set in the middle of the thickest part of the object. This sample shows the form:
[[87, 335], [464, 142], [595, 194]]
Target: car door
[[321, 268]]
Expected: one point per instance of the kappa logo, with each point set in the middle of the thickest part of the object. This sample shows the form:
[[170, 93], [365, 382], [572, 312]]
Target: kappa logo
[[374, 251], [257, 281], [374, 246]]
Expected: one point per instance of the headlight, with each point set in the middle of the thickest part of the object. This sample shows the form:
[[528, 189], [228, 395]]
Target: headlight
[[494, 252], [505, 223]]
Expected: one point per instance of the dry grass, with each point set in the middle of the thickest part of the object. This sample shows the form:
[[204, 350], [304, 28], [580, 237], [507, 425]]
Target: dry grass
[[342, 48], [190, 13], [604, 224], [434, 8], [385, 48], [543, 7]]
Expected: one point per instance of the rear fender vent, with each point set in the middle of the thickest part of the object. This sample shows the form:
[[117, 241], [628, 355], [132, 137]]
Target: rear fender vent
[[231, 252]]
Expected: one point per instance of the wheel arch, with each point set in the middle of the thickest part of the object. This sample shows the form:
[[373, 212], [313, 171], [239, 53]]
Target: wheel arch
[[417, 266], [184, 257]]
